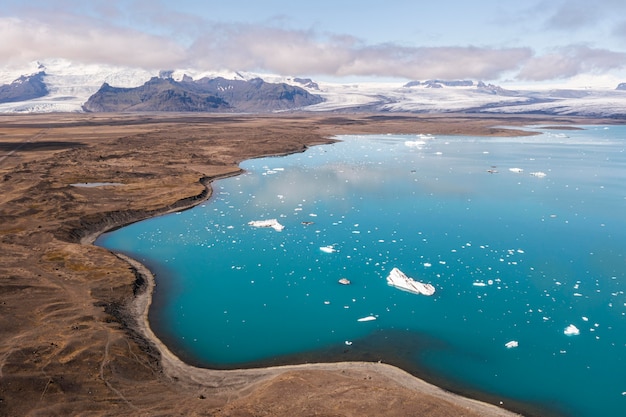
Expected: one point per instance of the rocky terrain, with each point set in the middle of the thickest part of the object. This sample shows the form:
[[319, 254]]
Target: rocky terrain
[[74, 338], [26, 87], [205, 95]]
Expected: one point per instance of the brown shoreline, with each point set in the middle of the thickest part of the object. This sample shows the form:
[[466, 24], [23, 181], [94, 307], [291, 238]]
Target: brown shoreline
[[72, 344]]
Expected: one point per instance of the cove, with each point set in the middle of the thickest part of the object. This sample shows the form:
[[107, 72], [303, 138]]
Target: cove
[[521, 237]]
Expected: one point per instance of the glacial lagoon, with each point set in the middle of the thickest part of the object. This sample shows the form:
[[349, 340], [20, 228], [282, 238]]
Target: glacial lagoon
[[524, 240]]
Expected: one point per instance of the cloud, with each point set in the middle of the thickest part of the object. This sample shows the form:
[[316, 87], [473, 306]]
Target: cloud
[[570, 61], [620, 30], [85, 41], [574, 14], [176, 40], [307, 52]]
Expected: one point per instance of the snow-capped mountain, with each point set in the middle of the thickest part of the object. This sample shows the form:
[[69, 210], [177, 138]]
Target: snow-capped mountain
[[70, 85]]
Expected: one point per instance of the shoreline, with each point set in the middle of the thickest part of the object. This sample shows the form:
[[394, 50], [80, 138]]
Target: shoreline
[[69, 318], [246, 378], [242, 380]]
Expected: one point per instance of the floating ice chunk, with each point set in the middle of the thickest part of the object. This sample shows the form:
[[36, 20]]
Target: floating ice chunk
[[479, 284], [539, 174], [415, 143], [273, 223], [427, 264], [368, 318], [571, 330], [516, 170], [344, 281], [399, 280], [348, 342], [511, 344], [328, 249]]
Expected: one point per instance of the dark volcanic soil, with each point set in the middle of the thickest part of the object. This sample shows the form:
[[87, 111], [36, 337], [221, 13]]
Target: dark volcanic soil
[[73, 339]]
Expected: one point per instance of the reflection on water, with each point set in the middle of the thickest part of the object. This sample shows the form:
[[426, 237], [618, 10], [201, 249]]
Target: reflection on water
[[514, 257]]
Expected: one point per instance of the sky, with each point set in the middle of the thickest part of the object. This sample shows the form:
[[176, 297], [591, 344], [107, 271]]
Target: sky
[[505, 41]]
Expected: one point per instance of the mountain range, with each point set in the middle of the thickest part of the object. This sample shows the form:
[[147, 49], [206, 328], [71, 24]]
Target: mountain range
[[206, 95], [63, 86]]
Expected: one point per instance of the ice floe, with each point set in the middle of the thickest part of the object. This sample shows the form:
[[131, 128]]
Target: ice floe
[[571, 330], [538, 174], [328, 249], [415, 144], [344, 281], [273, 223], [399, 280], [516, 170], [368, 318], [511, 344]]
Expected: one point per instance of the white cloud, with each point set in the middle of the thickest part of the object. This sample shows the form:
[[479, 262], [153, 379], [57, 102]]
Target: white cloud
[[86, 42], [110, 35], [571, 61], [306, 52]]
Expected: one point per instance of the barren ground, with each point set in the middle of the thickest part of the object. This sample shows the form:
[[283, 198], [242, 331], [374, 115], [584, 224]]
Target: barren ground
[[73, 334]]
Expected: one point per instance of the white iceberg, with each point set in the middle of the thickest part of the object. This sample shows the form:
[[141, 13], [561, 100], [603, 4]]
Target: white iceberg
[[539, 174], [512, 344], [368, 318], [415, 143], [516, 170], [328, 249], [399, 280], [571, 330], [273, 223]]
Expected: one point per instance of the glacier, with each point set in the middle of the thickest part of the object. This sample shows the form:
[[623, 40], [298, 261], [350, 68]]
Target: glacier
[[70, 85]]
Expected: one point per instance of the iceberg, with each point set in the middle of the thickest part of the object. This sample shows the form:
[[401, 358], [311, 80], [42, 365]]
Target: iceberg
[[415, 144], [328, 249], [368, 318], [539, 174], [344, 281], [516, 170], [571, 330], [273, 223], [511, 344], [399, 280]]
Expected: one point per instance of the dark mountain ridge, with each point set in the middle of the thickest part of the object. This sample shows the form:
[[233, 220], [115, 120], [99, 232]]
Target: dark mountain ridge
[[26, 87], [204, 95]]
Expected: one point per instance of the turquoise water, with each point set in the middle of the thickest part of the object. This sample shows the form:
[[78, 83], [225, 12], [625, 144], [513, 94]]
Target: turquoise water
[[513, 257]]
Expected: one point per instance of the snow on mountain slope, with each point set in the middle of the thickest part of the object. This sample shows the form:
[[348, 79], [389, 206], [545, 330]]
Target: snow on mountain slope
[[397, 98], [597, 103], [71, 84]]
